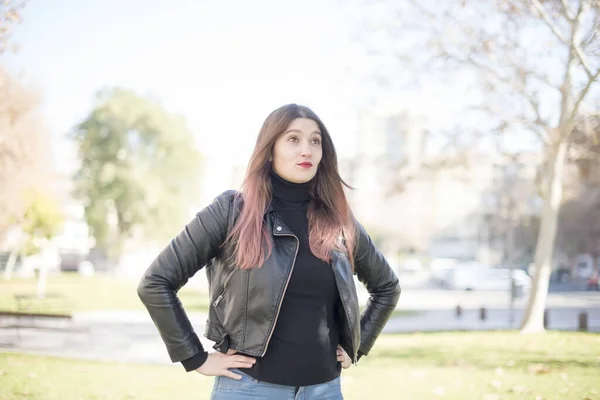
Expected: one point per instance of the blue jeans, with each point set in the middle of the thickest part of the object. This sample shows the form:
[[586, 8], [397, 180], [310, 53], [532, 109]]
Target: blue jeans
[[249, 388]]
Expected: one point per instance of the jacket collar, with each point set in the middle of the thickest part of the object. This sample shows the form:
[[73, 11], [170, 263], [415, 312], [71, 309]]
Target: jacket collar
[[278, 227]]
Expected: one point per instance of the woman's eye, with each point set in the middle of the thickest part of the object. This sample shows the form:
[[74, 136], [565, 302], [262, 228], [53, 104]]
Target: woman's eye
[[316, 141], [293, 139]]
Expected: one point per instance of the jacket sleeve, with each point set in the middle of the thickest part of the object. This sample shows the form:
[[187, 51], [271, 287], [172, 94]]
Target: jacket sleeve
[[185, 255], [383, 286]]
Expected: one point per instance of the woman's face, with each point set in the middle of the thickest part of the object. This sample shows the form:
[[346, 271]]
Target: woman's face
[[298, 151]]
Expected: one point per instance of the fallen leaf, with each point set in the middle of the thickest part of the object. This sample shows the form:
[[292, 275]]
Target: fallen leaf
[[32, 375], [539, 369], [439, 391], [511, 363], [539, 398], [499, 371], [564, 390], [2, 373], [593, 391]]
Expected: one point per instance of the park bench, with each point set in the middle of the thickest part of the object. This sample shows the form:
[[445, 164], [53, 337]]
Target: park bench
[[31, 312]]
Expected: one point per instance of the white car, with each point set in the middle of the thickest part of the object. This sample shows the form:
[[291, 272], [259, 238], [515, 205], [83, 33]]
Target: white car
[[481, 278]]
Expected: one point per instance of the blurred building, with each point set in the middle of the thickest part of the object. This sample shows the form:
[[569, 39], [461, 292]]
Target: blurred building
[[411, 204]]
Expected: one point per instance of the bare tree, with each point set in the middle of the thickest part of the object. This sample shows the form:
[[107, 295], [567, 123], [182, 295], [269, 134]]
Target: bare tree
[[530, 67], [10, 15], [24, 158]]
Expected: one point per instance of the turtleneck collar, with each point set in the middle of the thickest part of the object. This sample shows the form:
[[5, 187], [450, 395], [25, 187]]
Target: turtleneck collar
[[288, 194]]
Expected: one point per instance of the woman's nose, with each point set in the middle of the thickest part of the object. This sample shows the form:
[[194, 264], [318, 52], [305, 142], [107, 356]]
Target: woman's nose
[[306, 151]]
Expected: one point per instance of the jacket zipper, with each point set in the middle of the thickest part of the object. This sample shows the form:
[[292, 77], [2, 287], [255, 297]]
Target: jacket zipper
[[227, 278], [354, 350], [284, 290]]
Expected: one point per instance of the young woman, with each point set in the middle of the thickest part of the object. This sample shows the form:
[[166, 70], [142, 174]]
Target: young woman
[[280, 256]]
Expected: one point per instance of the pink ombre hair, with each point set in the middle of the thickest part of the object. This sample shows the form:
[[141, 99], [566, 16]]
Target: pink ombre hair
[[329, 215]]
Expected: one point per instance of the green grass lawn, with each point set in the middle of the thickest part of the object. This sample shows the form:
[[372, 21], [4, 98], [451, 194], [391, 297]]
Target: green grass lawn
[[93, 293], [457, 366], [97, 293]]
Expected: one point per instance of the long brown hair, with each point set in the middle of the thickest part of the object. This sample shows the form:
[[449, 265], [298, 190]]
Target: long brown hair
[[329, 215]]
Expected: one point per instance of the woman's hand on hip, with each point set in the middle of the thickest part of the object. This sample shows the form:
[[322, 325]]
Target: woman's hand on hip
[[218, 364], [343, 357]]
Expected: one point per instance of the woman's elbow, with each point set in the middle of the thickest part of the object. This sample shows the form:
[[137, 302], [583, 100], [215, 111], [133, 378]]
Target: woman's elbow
[[397, 292], [388, 294], [144, 289]]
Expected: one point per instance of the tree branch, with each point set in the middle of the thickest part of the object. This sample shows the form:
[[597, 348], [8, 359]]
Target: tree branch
[[535, 106], [542, 78], [577, 46], [538, 128], [540, 9], [583, 93], [566, 9], [582, 58]]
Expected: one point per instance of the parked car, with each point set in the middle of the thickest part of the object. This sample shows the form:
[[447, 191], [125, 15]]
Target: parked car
[[561, 274], [482, 278]]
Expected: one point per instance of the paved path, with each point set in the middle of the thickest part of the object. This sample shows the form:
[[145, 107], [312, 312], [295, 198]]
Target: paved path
[[565, 318], [434, 299], [132, 337], [118, 336]]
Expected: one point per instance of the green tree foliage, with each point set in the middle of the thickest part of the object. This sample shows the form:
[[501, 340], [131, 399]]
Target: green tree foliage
[[41, 220], [139, 170]]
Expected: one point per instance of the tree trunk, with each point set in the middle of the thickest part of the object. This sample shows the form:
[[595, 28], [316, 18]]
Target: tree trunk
[[533, 320], [10, 264], [42, 279], [12, 258]]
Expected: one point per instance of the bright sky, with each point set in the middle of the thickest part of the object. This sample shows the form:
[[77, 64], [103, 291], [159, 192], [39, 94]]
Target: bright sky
[[224, 65]]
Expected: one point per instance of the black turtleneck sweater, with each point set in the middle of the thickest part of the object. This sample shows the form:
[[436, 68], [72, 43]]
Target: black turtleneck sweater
[[302, 350]]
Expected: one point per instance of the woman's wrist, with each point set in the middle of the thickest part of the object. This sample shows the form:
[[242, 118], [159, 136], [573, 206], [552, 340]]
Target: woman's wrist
[[194, 362]]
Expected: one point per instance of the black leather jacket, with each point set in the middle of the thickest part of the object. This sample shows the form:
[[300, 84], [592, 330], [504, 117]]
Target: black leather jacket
[[245, 304]]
